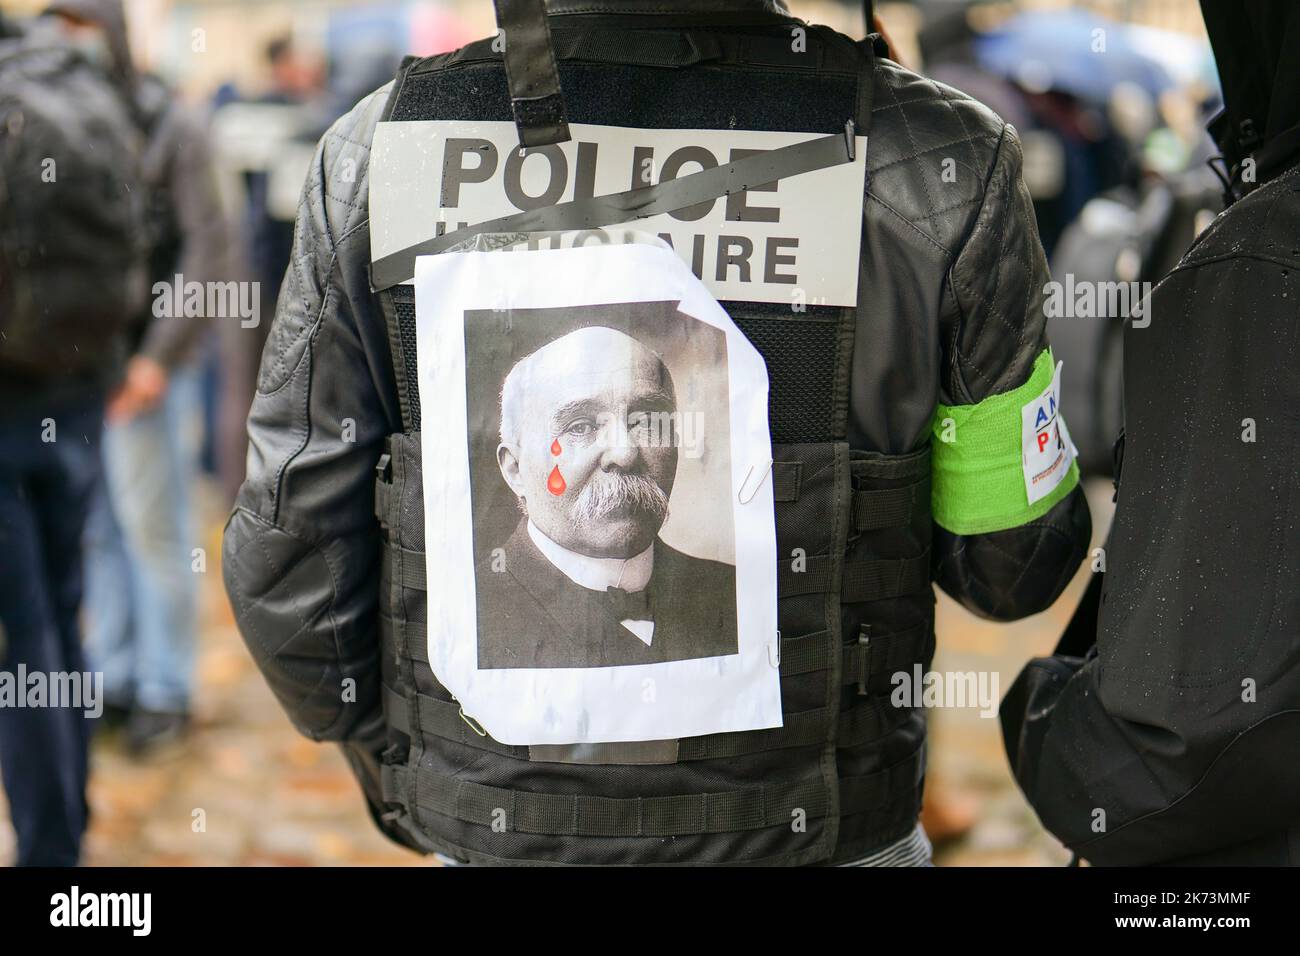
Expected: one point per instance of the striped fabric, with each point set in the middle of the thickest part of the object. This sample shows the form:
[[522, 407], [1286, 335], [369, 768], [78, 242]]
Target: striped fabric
[[912, 850]]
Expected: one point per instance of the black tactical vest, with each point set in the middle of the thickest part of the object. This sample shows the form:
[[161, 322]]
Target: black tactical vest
[[843, 776]]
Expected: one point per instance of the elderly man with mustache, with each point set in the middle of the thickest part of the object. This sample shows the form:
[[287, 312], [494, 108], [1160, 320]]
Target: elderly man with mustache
[[589, 450]]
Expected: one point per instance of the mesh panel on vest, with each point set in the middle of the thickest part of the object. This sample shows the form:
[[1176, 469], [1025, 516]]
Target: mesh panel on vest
[[801, 357], [404, 306], [801, 361]]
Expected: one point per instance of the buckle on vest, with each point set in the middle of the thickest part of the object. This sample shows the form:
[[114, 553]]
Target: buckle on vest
[[864, 668], [383, 489]]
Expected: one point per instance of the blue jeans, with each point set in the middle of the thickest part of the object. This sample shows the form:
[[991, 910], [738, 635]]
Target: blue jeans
[[45, 487], [141, 580]]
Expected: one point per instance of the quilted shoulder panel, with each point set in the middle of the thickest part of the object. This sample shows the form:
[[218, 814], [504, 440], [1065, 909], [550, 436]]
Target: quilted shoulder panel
[[333, 204], [931, 152]]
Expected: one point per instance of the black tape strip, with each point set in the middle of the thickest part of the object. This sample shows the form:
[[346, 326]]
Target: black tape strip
[[597, 211]]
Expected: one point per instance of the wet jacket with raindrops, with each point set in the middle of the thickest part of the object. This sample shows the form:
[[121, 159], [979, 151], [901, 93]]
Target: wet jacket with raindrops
[[1176, 738]]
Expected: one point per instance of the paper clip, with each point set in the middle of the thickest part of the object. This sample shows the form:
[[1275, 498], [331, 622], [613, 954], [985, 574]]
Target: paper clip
[[471, 722], [761, 479]]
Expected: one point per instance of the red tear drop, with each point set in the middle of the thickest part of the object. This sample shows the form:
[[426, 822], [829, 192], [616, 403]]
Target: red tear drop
[[555, 483], [555, 448]]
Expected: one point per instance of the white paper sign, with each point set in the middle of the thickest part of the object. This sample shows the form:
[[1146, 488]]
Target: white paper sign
[[795, 241], [589, 417], [1047, 449]]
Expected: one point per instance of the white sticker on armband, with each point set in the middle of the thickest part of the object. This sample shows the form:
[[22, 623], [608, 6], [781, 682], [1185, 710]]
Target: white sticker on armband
[[1047, 450], [601, 550]]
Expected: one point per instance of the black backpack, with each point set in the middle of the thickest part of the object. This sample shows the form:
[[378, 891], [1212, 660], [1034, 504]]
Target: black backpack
[[73, 246]]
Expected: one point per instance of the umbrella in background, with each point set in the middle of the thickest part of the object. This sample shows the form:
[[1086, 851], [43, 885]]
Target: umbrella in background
[[1060, 50]]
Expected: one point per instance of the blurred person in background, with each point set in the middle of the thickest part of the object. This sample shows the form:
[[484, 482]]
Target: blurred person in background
[[269, 142], [1057, 104], [282, 111], [140, 579], [72, 273], [295, 76]]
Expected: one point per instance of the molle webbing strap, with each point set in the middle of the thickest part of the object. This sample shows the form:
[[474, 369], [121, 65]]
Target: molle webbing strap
[[531, 73], [615, 208], [862, 580], [566, 815], [384, 491], [859, 663], [672, 48], [786, 478], [805, 655], [383, 501], [879, 580], [799, 655], [883, 789], [675, 48], [862, 723], [413, 573], [661, 48], [879, 508]]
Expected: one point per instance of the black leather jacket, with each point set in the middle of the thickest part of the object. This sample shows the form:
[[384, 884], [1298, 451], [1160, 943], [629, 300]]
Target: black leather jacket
[[956, 273]]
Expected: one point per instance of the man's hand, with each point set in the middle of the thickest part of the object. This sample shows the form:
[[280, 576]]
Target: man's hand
[[143, 389]]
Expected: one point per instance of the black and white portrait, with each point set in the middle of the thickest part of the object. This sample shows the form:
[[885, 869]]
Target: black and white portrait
[[603, 532], [599, 564]]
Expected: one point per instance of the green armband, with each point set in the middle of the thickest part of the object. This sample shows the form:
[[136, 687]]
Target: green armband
[[1005, 461]]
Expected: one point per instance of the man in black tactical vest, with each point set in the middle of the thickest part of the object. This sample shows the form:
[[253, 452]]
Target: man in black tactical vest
[[903, 444]]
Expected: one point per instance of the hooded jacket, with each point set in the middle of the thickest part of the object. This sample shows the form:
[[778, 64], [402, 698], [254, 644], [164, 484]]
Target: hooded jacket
[[1255, 47], [1175, 738]]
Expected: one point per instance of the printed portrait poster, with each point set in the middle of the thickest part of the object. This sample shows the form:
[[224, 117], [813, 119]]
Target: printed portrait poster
[[601, 549]]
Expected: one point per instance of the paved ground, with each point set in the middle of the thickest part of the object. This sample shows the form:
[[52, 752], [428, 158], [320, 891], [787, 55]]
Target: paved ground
[[247, 790]]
